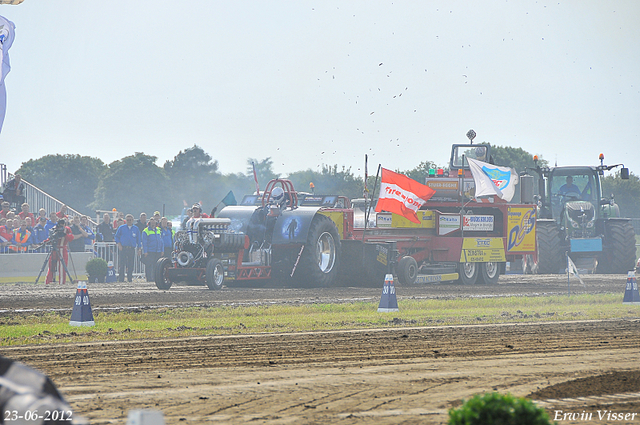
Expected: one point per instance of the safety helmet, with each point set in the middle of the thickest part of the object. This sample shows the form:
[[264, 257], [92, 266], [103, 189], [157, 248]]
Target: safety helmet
[[277, 194]]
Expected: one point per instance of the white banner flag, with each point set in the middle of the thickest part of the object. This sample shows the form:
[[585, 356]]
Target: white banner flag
[[573, 270], [7, 33], [493, 180]]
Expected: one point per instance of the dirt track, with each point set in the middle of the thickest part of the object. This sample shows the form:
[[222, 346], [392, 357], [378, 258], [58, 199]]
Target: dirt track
[[405, 375]]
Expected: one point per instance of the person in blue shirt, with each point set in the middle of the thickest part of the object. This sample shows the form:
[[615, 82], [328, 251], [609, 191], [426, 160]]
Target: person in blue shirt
[[90, 237], [40, 234], [569, 187], [51, 222], [152, 248], [128, 240]]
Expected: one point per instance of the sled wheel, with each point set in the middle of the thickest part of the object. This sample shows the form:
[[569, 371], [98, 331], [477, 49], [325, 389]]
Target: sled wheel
[[468, 273], [489, 273], [407, 270]]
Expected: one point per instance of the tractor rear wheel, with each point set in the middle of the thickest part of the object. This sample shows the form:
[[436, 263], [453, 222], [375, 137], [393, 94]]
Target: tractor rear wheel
[[214, 274], [550, 255], [407, 270], [160, 273], [320, 258], [620, 248]]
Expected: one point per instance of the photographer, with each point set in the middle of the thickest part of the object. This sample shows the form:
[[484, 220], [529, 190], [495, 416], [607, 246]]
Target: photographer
[[59, 237]]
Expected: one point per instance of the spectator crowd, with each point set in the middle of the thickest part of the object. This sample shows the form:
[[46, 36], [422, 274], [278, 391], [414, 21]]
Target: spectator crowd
[[150, 239], [22, 231]]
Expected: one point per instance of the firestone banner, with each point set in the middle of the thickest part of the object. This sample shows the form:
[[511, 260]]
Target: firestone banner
[[401, 195]]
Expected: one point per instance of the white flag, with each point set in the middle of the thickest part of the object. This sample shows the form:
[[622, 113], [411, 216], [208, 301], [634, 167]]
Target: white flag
[[7, 33], [573, 270], [493, 180]]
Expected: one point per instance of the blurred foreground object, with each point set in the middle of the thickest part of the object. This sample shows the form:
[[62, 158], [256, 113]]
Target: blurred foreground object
[[30, 397]]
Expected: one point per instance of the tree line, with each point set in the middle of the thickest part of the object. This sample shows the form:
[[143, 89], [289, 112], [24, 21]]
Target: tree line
[[136, 183]]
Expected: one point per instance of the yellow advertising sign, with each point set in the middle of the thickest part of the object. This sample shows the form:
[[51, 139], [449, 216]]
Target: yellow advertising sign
[[383, 254], [426, 217], [521, 229], [482, 250]]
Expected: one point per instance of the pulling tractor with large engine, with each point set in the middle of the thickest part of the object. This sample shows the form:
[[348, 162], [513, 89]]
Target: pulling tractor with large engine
[[268, 236], [576, 219], [313, 241]]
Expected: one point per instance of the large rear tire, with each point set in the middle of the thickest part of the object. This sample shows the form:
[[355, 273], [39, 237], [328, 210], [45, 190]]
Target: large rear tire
[[160, 273], [214, 274], [468, 273], [407, 270], [620, 248], [320, 258], [550, 255]]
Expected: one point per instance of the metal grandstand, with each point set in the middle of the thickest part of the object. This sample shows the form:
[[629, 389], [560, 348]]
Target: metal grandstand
[[37, 198]]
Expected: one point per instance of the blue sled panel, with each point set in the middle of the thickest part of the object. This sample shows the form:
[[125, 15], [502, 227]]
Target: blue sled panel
[[586, 245]]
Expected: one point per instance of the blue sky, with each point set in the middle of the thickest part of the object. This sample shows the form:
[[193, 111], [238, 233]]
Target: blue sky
[[323, 82]]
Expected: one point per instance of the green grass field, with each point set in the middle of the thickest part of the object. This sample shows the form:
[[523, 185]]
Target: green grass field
[[53, 327]]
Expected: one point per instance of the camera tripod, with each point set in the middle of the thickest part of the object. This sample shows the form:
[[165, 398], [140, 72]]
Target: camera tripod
[[54, 263]]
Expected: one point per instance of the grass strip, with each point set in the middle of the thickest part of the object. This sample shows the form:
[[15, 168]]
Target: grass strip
[[53, 327]]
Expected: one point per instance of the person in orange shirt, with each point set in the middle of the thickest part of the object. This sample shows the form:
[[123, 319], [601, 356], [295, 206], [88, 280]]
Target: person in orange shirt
[[21, 238]]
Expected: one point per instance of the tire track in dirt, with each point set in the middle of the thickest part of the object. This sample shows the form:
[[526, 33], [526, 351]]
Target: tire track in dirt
[[395, 375], [334, 346], [382, 375]]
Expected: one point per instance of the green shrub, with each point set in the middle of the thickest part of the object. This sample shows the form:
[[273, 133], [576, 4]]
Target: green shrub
[[96, 267], [498, 409]]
